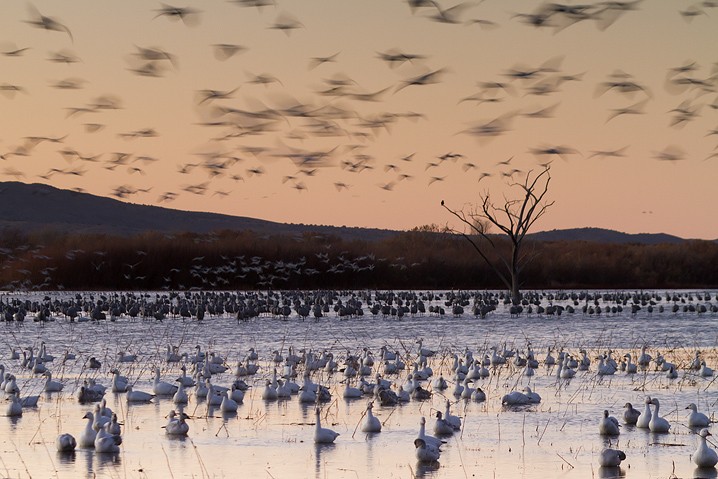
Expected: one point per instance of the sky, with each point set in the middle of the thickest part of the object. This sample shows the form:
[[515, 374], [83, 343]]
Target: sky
[[369, 113]]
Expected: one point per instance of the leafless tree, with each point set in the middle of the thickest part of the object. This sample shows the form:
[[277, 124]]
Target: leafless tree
[[514, 218]]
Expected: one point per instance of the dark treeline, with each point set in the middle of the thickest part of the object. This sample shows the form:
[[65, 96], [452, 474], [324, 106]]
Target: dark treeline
[[423, 258]]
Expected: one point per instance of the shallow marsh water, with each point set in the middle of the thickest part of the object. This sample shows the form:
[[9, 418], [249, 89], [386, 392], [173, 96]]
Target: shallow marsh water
[[556, 438]]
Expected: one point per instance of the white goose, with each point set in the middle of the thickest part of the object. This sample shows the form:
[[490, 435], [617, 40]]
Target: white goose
[[426, 452], [119, 383], [534, 397], [631, 415], [611, 458], [50, 385], [452, 420], [430, 440], [236, 394], [176, 426], [138, 396], [704, 456], [106, 442], [14, 408], [180, 396], [370, 423], [697, 419], [645, 418], [65, 443], [441, 427], [87, 438], [162, 388], [657, 423], [351, 392], [323, 435], [608, 426], [228, 405]]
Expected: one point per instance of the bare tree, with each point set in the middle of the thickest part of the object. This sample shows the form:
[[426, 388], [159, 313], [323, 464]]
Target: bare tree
[[514, 218]]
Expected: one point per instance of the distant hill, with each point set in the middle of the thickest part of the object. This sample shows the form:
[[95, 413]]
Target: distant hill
[[600, 235], [36, 207]]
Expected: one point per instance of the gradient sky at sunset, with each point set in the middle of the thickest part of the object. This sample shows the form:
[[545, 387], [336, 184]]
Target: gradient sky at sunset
[[316, 124]]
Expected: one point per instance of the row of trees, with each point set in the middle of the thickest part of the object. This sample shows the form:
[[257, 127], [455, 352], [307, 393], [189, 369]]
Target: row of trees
[[428, 257]]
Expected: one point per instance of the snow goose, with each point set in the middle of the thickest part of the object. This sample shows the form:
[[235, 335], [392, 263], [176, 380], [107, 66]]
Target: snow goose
[[87, 438], [180, 396], [184, 380], [269, 393], [162, 388], [228, 405], [534, 398], [608, 426], [426, 452], [631, 368], [119, 383], [466, 390], [114, 427], [236, 394], [705, 371], [611, 457], [703, 455], [351, 392], [644, 359], [65, 443], [645, 418], [430, 440], [176, 426], [98, 419], [11, 384], [138, 396], [370, 423], [452, 420], [515, 398], [439, 383], [657, 423], [106, 442], [478, 395], [323, 435], [441, 427], [697, 419], [14, 408], [201, 389], [50, 385], [85, 394], [630, 415]]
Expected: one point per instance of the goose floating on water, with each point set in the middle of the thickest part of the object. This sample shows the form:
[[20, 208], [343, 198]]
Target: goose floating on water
[[65, 443], [370, 423], [697, 419], [608, 426], [426, 452], [657, 423], [630, 415], [611, 458], [703, 455], [323, 435]]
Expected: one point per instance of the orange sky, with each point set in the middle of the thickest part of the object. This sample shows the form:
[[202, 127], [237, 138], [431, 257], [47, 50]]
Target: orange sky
[[323, 142]]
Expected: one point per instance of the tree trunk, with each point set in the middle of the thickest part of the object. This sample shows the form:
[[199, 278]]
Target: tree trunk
[[515, 292]]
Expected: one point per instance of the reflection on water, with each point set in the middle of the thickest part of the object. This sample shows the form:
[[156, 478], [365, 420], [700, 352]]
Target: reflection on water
[[705, 473], [558, 437], [611, 472]]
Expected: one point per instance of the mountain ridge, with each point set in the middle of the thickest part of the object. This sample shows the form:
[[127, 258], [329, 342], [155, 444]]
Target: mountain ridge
[[38, 207]]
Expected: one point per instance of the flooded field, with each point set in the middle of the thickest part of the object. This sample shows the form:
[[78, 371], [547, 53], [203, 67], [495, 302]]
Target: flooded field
[[557, 437]]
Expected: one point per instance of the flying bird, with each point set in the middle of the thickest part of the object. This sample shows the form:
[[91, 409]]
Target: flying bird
[[47, 23]]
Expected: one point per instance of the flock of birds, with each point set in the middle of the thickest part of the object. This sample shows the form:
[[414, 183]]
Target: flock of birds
[[240, 143], [349, 376], [244, 306]]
